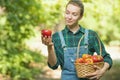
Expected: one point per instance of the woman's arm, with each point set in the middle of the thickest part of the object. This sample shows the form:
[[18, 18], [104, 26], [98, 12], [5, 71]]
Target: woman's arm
[[51, 55], [52, 60], [107, 59]]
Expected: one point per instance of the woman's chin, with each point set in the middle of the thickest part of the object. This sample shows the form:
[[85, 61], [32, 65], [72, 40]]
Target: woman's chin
[[69, 24]]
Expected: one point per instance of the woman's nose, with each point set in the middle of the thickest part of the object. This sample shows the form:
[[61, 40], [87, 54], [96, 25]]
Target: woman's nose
[[70, 16]]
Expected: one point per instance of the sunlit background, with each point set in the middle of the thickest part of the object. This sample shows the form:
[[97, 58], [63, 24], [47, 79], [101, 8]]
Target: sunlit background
[[22, 54]]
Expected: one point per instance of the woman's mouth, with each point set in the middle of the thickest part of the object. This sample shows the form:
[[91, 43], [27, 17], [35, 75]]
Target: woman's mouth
[[69, 21]]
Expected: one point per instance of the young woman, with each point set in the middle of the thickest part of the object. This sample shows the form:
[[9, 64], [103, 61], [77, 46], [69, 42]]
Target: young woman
[[62, 46]]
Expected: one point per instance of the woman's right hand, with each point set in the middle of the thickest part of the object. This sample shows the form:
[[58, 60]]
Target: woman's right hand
[[51, 53], [47, 40]]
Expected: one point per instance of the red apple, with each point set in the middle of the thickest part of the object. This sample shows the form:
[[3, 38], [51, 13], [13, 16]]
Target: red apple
[[97, 58], [94, 58], [100, 58], [46, 32]]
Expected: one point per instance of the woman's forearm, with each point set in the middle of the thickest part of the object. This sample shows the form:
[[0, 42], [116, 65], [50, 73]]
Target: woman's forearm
[[51, 55], [105, 67]]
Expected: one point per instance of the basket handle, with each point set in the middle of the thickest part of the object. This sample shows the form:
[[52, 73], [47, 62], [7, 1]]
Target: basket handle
[[99, 45], [79, 45], [80, 42]]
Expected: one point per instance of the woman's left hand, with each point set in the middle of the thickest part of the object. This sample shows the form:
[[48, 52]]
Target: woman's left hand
[[96, 75]]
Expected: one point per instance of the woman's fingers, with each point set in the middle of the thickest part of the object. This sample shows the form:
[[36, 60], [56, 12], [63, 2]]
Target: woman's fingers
[[46, 40], [93, 78], [90, 75], [97, 67]]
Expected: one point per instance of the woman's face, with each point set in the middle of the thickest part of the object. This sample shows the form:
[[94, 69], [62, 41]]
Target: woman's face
[[72, 15]]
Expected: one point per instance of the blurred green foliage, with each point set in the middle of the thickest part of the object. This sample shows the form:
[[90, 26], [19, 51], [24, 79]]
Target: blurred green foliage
[[17, 23], [19, 18], [102, 16]]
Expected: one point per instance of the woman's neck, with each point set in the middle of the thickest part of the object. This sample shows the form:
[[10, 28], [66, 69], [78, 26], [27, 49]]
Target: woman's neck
[[74, 29]]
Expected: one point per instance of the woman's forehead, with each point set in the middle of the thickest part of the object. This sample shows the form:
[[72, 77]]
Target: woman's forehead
[[73, 8]]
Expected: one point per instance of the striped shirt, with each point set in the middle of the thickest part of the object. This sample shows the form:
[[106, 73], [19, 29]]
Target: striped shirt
[[72, 39]]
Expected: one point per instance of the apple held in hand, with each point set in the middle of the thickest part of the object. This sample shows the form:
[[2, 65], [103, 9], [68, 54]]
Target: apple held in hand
[[46, 32]]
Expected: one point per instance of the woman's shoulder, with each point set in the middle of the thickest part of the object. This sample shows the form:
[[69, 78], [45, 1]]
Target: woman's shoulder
[[92, 32], [56, 34], [56, 39]]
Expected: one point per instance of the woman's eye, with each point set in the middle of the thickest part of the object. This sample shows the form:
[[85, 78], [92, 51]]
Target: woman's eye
[[74, 14], [66, 12]]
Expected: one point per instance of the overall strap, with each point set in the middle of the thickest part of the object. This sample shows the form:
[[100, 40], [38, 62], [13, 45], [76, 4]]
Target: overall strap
[[62, 39], [86, 37]]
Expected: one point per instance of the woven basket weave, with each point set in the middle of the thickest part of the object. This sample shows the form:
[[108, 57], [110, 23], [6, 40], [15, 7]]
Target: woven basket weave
[[82, 68]]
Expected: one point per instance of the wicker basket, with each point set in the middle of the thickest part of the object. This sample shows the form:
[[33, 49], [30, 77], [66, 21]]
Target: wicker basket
[[82, 68]]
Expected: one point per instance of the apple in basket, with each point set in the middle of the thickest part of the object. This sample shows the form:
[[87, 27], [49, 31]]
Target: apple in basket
[[97, 58], [79, 60], [85, 64], [86, 56], [89, 59]]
